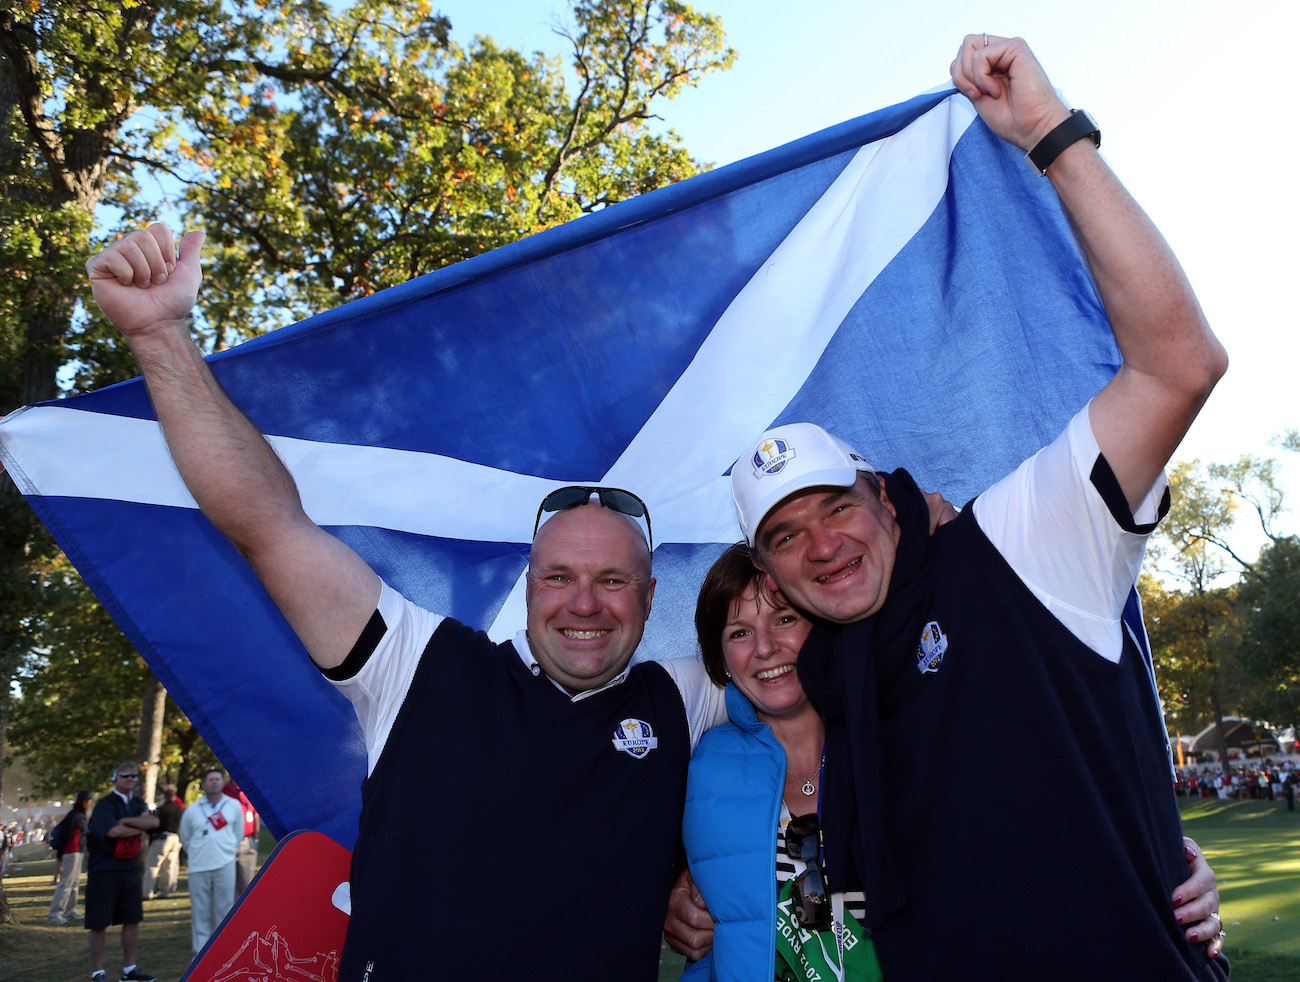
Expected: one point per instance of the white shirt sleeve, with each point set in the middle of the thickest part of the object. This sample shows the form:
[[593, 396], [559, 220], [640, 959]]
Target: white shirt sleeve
[[378, 690], [1052, 526], [706, 704], [185, 831]]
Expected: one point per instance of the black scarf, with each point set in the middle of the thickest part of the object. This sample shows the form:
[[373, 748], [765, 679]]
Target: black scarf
[[841, 670]]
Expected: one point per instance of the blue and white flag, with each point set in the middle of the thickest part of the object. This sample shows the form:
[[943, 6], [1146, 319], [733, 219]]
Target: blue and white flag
[[905, 279]]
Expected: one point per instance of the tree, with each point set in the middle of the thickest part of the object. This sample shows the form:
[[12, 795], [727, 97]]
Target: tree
[[353, 186], [1194, 652], [28, 361], [81, 707], [1270, 651], [1271, 647], [1193, 638], [1191, 649], [1251, 483], [1198, 633]]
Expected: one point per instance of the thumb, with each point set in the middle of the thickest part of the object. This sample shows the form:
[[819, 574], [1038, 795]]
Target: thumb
[[191, 246]]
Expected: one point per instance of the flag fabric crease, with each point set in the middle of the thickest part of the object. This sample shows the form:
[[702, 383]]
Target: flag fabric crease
[[905, 279]]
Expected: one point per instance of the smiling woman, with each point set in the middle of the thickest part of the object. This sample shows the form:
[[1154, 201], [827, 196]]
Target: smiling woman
[[751, 636], [750, 639]]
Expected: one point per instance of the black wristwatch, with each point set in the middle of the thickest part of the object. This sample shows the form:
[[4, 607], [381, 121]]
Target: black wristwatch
[[1079, 124]]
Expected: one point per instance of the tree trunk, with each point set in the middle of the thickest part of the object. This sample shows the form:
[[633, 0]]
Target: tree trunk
[[185, 771], [153, 701]]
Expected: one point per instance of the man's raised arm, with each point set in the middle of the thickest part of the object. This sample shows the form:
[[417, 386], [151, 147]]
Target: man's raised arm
[[1171, 357], [324, 589]]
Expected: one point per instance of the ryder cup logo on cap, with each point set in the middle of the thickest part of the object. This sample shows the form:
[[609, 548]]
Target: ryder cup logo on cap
[[787, 459], [771, 456]]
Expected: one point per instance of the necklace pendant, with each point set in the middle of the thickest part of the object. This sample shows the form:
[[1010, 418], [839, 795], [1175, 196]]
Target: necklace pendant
[[809, 788]]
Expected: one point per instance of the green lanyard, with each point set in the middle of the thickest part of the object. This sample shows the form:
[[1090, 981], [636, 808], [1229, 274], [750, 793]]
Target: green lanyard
[[810, 956]]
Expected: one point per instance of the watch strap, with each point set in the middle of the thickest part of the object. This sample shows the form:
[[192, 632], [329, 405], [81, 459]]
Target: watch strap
[[1075, 127]]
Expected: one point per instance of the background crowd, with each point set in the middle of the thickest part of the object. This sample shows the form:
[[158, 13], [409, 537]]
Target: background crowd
[[1266, 781]]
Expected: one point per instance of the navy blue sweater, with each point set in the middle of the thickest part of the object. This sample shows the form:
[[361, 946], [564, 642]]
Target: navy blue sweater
[[504, 836], [1012, 801]]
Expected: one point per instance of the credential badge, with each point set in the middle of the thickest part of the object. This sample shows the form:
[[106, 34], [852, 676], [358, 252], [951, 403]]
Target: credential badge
[[772, 455], [635, 737], [930, 649]]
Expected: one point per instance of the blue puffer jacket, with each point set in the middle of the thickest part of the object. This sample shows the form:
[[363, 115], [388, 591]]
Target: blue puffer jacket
[[733, 802]]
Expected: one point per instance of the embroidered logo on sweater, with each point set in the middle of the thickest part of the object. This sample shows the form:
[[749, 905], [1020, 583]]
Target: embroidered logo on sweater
[[930, 649], [635, 737], [771, 457]]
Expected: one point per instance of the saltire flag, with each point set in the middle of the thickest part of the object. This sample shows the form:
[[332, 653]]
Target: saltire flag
[[906, 279]]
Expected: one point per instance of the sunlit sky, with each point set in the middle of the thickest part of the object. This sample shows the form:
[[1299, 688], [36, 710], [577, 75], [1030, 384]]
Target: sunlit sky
[[1189, 96]]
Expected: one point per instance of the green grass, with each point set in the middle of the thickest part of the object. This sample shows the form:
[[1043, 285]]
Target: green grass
[[33, 951], [1254, 847], [671, 965]]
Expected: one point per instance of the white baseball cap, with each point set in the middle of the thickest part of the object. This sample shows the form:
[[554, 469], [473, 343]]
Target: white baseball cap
[[787, 459]]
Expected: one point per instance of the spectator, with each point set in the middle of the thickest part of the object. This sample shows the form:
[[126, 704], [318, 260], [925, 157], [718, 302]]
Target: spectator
[[70, 844], [246, 861], [113, 891], [162, 868], [7, 843], [211, 830]]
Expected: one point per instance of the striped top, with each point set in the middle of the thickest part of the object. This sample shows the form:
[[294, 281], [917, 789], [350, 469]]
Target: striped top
[[787, 869]]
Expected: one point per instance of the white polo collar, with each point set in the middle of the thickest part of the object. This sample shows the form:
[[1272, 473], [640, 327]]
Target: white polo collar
[[531, 663]]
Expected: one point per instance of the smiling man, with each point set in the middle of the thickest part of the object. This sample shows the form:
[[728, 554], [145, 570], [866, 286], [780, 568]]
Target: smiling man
[[566, 765], [1000, 638], [547, 767], [588, 593]]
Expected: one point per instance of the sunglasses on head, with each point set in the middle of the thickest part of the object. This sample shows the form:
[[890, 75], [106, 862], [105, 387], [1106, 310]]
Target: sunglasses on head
[[615, 499], [809, 900]]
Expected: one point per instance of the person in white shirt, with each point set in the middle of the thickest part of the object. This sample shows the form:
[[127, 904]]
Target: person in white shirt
[[211, 830]]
